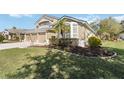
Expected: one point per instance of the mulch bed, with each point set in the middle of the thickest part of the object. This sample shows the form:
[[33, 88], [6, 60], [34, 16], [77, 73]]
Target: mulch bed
[[90, 52], [86, 51]]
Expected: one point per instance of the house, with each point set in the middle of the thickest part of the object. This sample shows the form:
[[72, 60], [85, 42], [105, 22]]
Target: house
[[78, 28], [43, 30]]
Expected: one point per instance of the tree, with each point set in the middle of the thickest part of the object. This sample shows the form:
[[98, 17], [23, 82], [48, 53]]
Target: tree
[[17, 33], [122, 24], [13, 27], [109, 26], [1, 38], [62, 28], [95, 25]]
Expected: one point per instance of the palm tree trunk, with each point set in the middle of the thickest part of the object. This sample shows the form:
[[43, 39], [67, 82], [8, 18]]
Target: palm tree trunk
[[62, 33]]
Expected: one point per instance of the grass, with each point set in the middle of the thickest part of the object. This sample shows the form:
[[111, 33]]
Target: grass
[[11, 59], [41, 63], [118, 47], [114, 44]]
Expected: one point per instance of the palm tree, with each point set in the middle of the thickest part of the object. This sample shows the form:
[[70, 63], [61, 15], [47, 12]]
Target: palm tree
[[62, 28]]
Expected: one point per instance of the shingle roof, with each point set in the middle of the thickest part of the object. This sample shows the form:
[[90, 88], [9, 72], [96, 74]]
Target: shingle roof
[[47, 16], [73, 18], [24, 31], [20, 30]]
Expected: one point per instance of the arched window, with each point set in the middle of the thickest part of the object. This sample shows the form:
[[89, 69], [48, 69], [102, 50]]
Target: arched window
[[46, 25]]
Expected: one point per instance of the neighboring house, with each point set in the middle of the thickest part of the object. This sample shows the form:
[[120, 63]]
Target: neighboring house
[[43, 30], [13, 33], [0, 33], [121, 36]]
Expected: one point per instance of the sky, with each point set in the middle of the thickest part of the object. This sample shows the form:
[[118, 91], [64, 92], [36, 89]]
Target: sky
[[27, 21]]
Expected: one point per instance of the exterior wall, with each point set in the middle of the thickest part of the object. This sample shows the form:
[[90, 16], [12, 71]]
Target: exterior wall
[[49, 35], [84, 32], [34, 37], [81, 31], [41, 38], [27, 37]]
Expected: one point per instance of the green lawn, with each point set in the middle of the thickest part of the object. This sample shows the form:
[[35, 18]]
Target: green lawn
[[41, 63], [118, 44], [118, 47], [11, 59]]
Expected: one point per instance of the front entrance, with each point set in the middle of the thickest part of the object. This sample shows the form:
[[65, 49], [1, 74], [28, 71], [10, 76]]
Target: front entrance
[[82, 43]]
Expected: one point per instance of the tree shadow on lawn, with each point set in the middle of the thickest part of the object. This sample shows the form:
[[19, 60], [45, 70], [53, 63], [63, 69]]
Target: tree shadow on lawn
[[120, 54], [58, 65]]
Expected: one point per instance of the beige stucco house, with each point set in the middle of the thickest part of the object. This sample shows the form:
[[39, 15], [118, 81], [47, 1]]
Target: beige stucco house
[[42, 33]]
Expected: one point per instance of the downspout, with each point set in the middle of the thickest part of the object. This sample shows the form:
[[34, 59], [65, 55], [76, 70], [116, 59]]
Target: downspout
[[25, 38], [71, 30]]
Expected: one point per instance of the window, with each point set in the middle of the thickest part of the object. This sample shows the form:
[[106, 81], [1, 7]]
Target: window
[[45, 26], [74, 30], [67, 35]]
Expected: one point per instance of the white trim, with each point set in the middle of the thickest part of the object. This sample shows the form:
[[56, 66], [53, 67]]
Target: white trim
[[25, 37], [71, 32], [46, 38]]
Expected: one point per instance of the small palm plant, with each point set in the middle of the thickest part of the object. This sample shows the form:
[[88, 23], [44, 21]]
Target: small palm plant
[[61, 27]]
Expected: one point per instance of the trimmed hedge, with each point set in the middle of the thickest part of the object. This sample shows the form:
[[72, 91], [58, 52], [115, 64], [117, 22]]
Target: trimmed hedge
[[63, 42], [68, 42]]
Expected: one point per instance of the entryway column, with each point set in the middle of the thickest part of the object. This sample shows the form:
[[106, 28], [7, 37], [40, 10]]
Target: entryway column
[[71, 30], [9, 37], [47, 40], [37, 30], [25, 38]]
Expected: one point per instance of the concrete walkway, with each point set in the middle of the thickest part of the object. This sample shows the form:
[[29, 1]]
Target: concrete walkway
[[15, 45]]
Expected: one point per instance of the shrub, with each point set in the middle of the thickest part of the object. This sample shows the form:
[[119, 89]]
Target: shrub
[[17, 38], [63, 42], [94, 41], [1, 38], [53, 41]]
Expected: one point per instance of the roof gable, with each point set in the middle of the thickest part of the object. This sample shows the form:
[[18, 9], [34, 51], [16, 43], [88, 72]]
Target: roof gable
[[77, 20], [72, 18], [47, 18]]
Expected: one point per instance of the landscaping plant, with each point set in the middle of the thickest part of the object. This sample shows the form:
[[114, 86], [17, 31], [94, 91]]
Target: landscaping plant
[[94, 42], [1, 38]]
